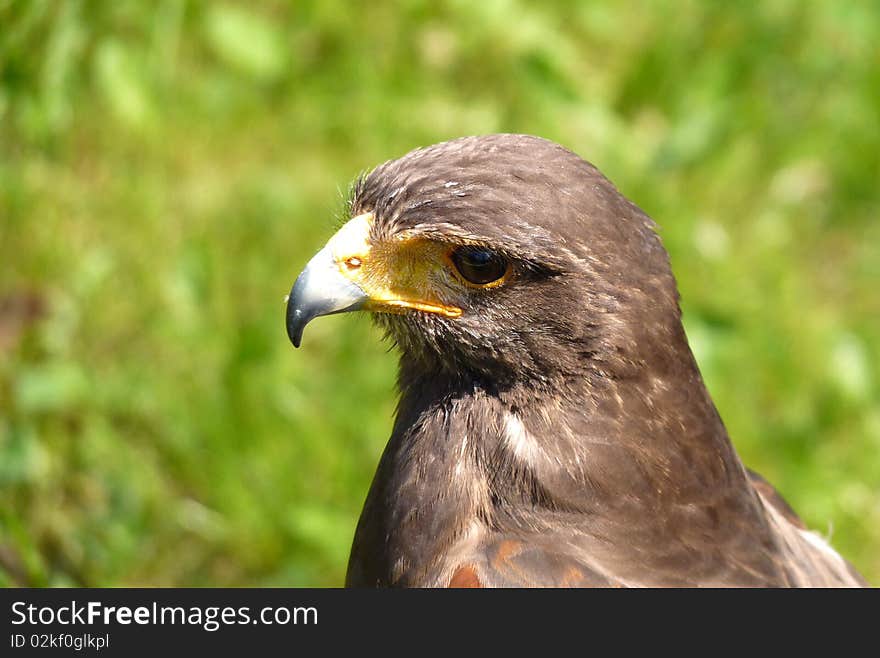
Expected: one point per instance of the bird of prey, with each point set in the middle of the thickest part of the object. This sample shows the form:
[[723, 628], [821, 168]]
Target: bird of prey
[[553, 428]]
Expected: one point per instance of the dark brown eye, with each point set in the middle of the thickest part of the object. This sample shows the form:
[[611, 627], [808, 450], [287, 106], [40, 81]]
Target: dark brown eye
[[480, 266]]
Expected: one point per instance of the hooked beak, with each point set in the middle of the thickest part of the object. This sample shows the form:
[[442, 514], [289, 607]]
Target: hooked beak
[[327, 284], [320, 289], [348, 275]]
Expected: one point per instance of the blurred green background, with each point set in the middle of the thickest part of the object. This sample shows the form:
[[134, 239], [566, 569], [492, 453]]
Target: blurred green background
[[166, 169]]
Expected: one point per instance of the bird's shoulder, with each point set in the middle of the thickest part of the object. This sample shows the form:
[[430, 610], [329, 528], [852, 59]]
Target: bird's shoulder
[[509, 562]]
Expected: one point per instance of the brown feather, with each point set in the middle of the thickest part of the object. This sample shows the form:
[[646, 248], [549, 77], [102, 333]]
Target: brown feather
[[559, 432]]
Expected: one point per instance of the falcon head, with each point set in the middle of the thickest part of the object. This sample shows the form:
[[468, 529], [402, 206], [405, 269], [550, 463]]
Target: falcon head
[[497, 257], [553, 427]]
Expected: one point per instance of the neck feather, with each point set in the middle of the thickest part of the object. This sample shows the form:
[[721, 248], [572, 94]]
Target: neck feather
[[464, 454]]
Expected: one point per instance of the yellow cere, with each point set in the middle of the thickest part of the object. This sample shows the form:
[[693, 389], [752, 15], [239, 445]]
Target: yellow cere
[[395, 276]]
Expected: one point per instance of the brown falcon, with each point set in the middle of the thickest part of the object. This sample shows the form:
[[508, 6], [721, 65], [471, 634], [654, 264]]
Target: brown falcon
[[553, 428]]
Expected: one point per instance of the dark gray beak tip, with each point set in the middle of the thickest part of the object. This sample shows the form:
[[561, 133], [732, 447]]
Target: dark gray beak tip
[[296, 322], [295, 335]]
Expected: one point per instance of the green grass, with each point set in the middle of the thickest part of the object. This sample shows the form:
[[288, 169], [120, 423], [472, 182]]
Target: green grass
[[167, 168]]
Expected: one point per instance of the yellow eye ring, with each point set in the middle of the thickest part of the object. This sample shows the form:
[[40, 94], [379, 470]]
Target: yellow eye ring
[[479, 267]]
